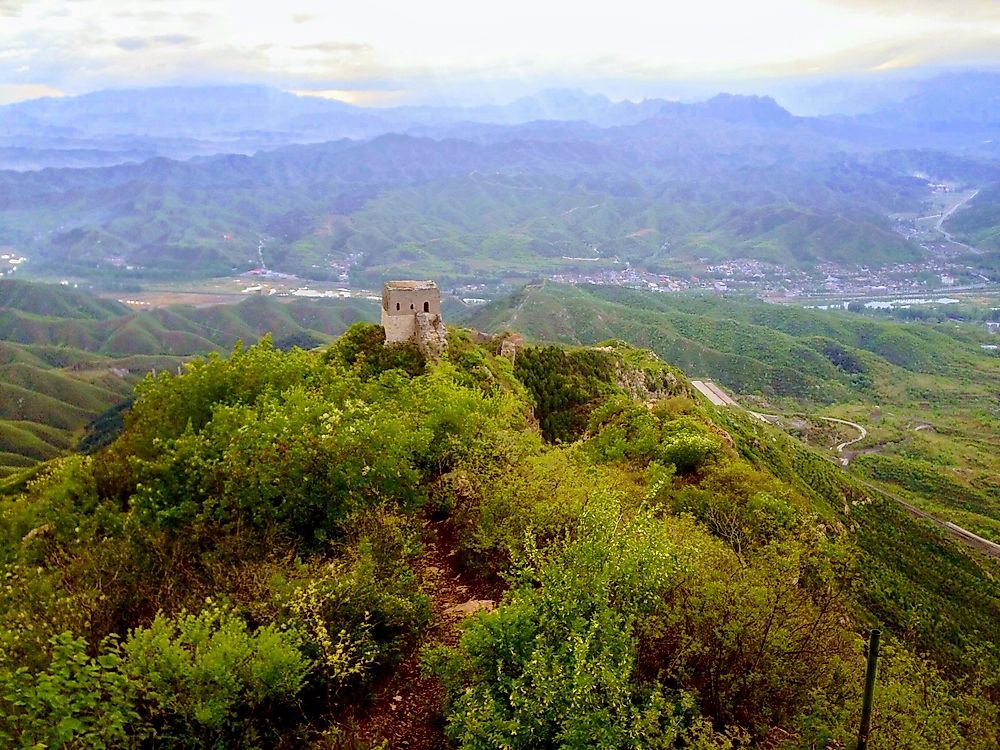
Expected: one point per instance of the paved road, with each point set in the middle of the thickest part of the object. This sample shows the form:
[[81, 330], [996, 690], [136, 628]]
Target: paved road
[[713, 393], [947, 215], [863, 433]]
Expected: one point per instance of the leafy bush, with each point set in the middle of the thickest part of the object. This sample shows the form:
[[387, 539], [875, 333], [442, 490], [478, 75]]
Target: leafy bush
[[623, 429], [356, 614], [555, 665], [744, 507], [76, 701], [622, 619], [55, 541], [304, 457], [207, 680], [166, 406], [689, 451], [749, 639], [362, 348], [521, 494]]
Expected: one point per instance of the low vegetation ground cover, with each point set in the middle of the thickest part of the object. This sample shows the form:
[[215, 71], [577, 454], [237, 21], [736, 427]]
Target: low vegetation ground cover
[[925, 389], [242, 565]]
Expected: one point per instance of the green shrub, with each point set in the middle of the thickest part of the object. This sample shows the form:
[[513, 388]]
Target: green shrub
[[362, 348], [355, 615], [744, 507], [76, 701], [54, 543], [689, 452], [555, 665], [622, 429], [166, 406], [207, 680], [524, 494]]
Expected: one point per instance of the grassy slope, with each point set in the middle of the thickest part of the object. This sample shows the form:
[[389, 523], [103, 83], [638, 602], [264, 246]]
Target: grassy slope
[[978, 223], [892, 377], [910, 576], [57, 301], [66, 357]]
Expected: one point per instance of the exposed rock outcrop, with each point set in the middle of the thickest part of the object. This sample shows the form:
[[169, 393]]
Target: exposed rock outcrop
[[431, 334], [644, 385]]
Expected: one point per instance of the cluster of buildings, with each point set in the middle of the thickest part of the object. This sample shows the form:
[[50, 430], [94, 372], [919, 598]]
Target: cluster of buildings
[[10, 261], [761, 277]]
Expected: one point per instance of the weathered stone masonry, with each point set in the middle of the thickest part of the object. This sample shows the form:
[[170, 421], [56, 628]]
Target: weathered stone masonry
[[411, 313]]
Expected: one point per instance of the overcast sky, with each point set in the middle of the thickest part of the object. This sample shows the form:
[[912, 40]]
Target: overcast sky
[[388, 51]]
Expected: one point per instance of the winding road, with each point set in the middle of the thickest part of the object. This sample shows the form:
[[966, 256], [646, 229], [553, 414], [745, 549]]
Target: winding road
[[719, 397], [260, 253], [939, 226], [863, 433]]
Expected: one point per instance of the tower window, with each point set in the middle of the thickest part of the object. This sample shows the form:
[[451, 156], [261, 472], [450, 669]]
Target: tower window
[[411, 305], [397, 305], [427, 307]]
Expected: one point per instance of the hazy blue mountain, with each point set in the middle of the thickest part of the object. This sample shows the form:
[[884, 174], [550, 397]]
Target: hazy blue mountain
[[173, 111], [699, 183], [955, 101], [465, 193], [117, 126], [954, 111]]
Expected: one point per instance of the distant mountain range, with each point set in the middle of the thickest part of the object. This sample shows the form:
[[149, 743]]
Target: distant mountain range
[[559, 182], [128, 125]]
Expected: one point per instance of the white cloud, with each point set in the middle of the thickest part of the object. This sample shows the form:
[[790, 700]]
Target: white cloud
[[15, 92], [399, 44]]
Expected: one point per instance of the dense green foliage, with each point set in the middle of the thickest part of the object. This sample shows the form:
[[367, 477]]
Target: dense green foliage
[[925, 391], [245, 561], [565, 385]]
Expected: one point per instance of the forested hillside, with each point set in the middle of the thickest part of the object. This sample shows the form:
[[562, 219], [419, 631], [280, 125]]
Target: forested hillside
[[925, 391], [733, 177], [353, 546]]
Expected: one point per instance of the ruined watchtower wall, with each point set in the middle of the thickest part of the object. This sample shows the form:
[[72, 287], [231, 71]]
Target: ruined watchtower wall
[[411, 312]]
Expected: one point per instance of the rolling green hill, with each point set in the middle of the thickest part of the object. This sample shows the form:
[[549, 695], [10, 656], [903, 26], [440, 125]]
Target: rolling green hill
[[57, 302], [67, 356], [749, 346], [926, 393]]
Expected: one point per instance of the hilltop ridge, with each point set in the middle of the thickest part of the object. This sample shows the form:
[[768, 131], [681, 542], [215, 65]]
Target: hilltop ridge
[[638, 564]]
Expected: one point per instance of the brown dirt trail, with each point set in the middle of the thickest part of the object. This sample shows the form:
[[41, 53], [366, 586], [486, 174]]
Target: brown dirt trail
[[406, 706]]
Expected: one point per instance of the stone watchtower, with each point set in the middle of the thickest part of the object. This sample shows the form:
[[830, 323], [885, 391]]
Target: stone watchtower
[[411, 313]]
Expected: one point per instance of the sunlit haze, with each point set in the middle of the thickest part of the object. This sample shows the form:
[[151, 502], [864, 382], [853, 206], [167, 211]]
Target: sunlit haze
[[387, 51]]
